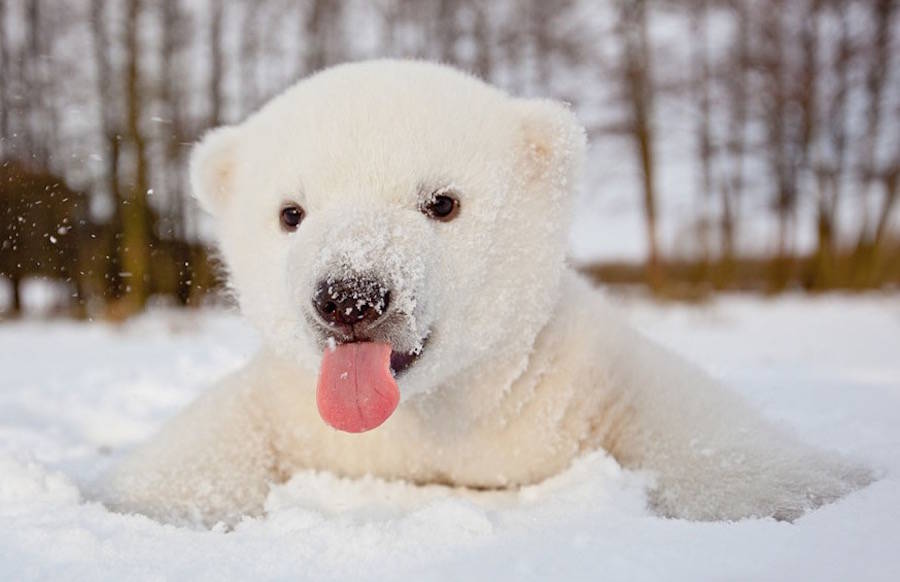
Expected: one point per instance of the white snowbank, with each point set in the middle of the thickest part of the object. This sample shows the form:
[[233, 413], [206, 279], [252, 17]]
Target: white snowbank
[[75, 396]]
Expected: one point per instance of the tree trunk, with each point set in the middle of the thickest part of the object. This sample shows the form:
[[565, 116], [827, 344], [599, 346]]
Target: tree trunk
[[5, 77], [879, 63], [108, 113], [315, 49], [701, 83], [831, 173], [16, 282], [446, 31], [136, 223], [778, 140], [38, 146], [248, 58], [483, 64], [889, 181], [731, 192], [638, 75], [172, 101], [216, 63], [823, 261]]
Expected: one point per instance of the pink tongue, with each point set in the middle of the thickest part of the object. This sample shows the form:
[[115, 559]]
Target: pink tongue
[[357, 391]]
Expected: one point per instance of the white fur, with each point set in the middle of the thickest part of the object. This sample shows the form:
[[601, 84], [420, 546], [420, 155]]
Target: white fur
[[525, 367]]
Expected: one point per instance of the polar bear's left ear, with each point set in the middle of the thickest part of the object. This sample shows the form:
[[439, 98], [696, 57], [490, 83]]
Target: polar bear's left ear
[[553, 144], [212, 167]]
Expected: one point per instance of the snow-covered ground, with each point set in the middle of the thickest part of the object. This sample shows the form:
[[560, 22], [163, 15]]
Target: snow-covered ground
[[75, 396]]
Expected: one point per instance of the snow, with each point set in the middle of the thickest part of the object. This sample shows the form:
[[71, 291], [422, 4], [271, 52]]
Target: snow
[[74, 397]]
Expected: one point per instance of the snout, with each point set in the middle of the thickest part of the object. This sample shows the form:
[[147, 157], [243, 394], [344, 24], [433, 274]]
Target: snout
[[362, 275], [358, 309], [344, 303]]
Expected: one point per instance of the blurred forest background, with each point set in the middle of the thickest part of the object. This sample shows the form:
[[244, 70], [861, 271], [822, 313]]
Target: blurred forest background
[[736, 144]]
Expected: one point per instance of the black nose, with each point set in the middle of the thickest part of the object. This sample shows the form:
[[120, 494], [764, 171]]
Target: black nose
[[350, 301]]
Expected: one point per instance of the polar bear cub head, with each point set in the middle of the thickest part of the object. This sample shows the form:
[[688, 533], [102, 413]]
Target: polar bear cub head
[[402, 204]]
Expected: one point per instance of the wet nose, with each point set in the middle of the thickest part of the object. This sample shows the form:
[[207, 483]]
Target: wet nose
[[351, 301]]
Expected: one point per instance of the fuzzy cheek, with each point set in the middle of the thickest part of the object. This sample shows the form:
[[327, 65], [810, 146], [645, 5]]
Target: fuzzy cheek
[[256, 263]]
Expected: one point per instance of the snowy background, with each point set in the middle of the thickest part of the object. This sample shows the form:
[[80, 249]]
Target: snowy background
[[76, 396]]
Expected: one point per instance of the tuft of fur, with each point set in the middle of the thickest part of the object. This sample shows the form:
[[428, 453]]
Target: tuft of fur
[[525, 366]]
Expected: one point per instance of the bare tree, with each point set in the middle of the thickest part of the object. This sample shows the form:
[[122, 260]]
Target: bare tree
[[483, 64], [321, 25], [880, 61], [5, 76], [889, 179], [636, 70], [108, 113], [447, 30], [31, 58], [249, 49], [701, 84], [737, 88], [829, 171], [174, 158], [779, 119], [136, 219], [216, 62], [541, 16]]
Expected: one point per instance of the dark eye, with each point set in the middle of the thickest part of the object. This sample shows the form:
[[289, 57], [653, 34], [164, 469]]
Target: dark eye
[[291, 217], [443, 207]]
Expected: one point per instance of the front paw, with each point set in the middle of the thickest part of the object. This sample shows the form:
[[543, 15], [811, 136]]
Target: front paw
[[819, 483], [171, 499], [784, 491]]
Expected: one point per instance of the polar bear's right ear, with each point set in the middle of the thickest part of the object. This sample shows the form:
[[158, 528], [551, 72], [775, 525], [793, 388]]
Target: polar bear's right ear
[[553, 143], [212, 167]]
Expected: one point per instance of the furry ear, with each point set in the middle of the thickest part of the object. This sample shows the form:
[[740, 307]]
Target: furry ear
[[212, 167], [553, 143]]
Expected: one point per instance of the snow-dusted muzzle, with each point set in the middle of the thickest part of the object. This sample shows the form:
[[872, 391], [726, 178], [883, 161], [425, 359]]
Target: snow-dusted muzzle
[[363, 276], [364, 297]]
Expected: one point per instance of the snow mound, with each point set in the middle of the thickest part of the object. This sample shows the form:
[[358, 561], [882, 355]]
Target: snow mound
[[27, 484]]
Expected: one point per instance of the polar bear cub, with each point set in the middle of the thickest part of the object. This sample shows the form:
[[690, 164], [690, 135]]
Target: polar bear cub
[[397, 233]]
